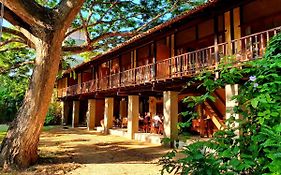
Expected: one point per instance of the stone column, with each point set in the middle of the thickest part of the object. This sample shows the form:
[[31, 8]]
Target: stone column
[[230, 91], [75, 113], [202, 122], [133, 115], [123, 108], [65, 109], [152, 106], [170, 111], [91, 114], [108, 114]]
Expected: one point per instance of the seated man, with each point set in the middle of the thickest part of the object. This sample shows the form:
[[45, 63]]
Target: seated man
[[102, 124], [141, 122], [124, 122], [116, 122], [156, 122], [146, 122]]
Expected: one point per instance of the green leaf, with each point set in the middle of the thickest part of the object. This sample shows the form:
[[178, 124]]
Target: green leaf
[[254, 103]]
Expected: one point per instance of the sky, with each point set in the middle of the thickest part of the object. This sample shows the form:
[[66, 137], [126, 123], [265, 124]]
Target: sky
[[6, 23]]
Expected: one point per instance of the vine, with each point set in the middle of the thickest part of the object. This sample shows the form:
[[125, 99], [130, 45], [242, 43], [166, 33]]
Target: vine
[[257, 149]]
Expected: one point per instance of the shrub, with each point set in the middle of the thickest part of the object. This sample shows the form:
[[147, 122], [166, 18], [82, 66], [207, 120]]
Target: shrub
[[257, 150], [53, 116]]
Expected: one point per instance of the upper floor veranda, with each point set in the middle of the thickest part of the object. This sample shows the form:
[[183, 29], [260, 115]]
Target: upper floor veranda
[[240, 31]]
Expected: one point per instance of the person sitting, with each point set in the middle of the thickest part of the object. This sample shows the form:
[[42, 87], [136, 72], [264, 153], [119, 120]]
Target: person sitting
[[102, 124], [117, 122], [124, 122], [141, 122], [146, 122], [147, 116], [155, 125]]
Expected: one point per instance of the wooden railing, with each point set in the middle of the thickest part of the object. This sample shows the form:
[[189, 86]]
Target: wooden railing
[[252, 46], [89, 86], [73, 90], [186, 65], [128, 77], [62, 92], [144, 74]]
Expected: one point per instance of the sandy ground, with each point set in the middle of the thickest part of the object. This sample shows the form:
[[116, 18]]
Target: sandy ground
[[82, 152]]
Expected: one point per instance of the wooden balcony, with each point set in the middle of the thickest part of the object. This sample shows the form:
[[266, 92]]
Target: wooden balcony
[[186, 65]]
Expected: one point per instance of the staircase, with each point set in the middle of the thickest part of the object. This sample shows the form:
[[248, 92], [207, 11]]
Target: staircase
[[211, 114], [214, 112]]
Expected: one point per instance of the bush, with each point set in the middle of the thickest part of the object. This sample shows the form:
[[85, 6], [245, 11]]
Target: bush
[[12, 90], [53, 116], [257, 150]]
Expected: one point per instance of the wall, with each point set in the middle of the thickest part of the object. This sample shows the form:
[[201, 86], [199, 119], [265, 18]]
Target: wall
[[144, 55], [86, 76], [99, 111], [267, 14], [126, 61]]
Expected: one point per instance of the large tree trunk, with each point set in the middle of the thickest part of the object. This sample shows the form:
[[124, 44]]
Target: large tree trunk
[[19, 147]]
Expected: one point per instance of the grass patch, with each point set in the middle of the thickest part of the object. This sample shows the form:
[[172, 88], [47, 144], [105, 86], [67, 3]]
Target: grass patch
[[48, 128], [3, 130]]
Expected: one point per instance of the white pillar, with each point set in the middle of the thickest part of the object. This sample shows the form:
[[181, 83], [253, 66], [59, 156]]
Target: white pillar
[[108, 114], [230, 91], [170, 111], [91, 114], [65, 109], [75, 113], [123, 108], [133, 115], [152, 106]]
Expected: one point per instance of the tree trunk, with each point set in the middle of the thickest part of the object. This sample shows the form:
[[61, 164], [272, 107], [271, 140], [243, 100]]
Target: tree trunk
[[19, 147]]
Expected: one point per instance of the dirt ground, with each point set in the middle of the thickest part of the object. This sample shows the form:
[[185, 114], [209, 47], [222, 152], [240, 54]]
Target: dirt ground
[[82, 152]]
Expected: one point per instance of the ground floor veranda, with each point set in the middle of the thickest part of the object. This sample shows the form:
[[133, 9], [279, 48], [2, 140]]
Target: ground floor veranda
[[158, 89], [100, 113]]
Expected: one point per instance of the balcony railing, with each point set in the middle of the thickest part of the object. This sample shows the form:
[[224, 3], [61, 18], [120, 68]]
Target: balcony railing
[[89, 86], [186, 65], [73, 90]]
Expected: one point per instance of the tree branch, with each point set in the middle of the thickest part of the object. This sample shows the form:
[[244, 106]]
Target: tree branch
[[113, 34], [77, 49], [14, 19], [12, 40], [30, 12], [20, 35], [175, 5], [12, 49], [15, 66], [66, 11], [84, 24], [89, 47]]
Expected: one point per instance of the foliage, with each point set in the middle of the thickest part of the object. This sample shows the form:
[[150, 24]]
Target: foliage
[[257, 150], [101, 17], [3, 130], [12, 92], [53, 116], [120, 19], [13, 81]]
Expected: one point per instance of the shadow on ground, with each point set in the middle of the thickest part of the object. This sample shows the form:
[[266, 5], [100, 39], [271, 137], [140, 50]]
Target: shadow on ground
[[84, 147], [63, 150]]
